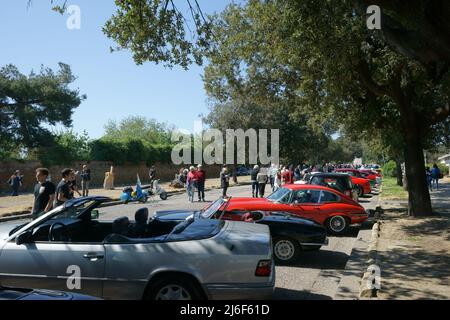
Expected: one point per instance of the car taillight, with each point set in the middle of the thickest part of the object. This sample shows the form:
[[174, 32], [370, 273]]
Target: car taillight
[[264, 268]]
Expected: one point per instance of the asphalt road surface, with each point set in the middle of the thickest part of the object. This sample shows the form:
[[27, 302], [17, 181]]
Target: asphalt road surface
[[316, 275]]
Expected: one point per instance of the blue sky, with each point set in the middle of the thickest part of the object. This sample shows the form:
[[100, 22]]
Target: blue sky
[[114, 85]]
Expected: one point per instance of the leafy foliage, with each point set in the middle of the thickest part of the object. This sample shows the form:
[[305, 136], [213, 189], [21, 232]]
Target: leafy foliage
[[30, 103], [157, 31]]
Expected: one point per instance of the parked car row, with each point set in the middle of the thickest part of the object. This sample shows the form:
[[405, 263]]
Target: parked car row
[[195, 258], [227, 250]]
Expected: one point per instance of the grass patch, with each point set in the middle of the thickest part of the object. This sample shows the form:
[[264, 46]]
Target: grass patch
[[392, 191]]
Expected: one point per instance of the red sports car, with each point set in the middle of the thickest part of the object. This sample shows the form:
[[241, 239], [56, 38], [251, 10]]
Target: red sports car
[[362, 184], [358, 174], [326, 206]]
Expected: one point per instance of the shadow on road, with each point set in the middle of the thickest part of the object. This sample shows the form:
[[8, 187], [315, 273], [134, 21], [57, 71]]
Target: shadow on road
[[322, 259], [289, 294], [415, 265]]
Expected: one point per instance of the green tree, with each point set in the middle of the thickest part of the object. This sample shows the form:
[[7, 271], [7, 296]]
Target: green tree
[[138, 128], [30, 103], [346, 71], [68, 146], [394, 78]]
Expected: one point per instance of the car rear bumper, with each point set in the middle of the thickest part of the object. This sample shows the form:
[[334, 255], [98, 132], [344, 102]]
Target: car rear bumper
[[242, 291], [359, 218], [239, 292]]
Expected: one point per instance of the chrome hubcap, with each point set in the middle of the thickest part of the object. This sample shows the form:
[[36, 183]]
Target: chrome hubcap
[[173, 292], [337, 224], [284, 250]]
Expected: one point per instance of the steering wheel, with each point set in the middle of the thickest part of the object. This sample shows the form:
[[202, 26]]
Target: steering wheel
[[65, 231]]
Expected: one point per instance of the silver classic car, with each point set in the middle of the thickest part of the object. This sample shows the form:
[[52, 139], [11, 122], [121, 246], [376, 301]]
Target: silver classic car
[[70, 249]]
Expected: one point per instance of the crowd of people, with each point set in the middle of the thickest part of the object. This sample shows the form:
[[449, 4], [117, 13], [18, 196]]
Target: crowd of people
[[47, 195], [193, 179]]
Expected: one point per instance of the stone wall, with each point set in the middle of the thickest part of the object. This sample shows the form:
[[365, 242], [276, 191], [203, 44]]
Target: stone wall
[[124, 174]]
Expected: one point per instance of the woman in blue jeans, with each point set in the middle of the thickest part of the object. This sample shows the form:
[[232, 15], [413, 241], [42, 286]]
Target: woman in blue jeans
[[190, 184]]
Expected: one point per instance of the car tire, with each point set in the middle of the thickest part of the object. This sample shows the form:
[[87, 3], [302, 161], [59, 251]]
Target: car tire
[[360, 191], [173, 288], [163, 195], [337, 225], [285, 250]]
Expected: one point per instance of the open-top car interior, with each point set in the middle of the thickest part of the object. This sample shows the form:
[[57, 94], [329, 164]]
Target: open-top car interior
[[80, 224]]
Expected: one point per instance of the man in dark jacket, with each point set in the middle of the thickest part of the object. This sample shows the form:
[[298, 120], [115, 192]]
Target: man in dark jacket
[[224, 180], [262, 179], [201, 178], [15, 182], [253, 176], [63, 190], [44, 194]]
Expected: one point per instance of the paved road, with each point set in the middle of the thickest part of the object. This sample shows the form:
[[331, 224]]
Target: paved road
[[316, 275]]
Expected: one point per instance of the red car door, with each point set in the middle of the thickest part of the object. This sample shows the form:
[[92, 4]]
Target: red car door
[[306, 203], [329, 203]]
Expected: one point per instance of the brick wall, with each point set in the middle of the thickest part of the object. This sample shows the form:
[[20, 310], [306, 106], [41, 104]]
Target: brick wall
[[123, 174]]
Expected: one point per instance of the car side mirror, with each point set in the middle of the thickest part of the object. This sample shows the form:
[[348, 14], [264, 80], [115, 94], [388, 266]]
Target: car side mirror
[[94, 214], [24, 237]]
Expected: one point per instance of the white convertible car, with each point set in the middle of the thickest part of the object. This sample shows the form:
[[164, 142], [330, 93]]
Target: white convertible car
[[70, 249]]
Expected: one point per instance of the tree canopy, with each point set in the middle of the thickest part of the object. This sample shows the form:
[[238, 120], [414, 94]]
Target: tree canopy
[[30, 104]]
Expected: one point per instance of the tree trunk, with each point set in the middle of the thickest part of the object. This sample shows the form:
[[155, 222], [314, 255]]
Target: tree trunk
[[419, 203], [399, 172]]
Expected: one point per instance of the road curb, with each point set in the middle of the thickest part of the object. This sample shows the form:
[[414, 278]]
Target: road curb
[[367, 288]]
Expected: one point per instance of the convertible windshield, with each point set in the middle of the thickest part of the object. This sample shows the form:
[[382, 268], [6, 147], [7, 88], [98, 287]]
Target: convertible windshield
[[75, 211], [212, 209], [282, 195]]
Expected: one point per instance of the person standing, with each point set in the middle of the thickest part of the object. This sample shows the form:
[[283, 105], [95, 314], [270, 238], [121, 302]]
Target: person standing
[[63, 190], [429, 178], [297, 174], [254, 182], [44, 194], [436, 174], [152, 174], [277, 181], [224, 180], [15, 181], [262, 181], [201, 178], [190, 183], [272, 175], [85, 179], [73, 182]]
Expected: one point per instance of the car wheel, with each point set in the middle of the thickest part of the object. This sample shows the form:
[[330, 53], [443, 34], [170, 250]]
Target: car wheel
[[163, 195], [360, 191], [173, 288], [337, 224], [285, 250]]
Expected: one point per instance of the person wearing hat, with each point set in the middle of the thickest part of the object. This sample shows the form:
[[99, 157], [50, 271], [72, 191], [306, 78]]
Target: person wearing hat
[[224, 180], [201, 178], [254, 182]]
